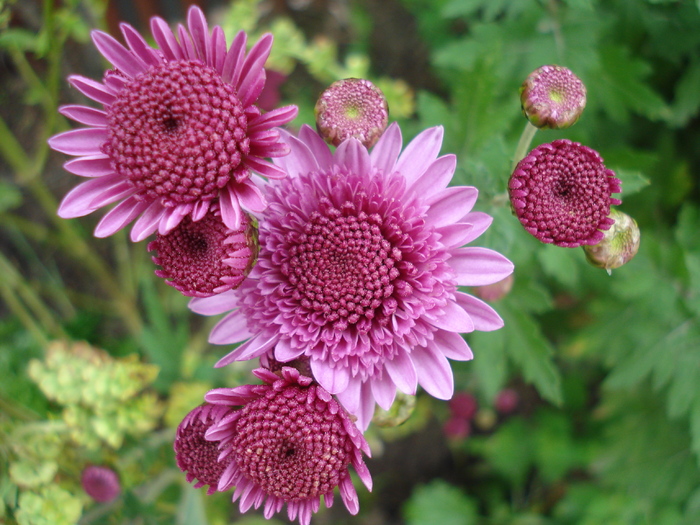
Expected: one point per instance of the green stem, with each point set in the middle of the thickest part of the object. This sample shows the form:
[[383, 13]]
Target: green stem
[[524, 143]]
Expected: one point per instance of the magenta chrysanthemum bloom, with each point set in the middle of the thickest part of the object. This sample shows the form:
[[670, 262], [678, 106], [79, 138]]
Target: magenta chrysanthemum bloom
[[561, 193], [553, 97], [360, 258], [353, 107], [197, 456], [100, 483], [179, 130], [204, 258], [290, 443]]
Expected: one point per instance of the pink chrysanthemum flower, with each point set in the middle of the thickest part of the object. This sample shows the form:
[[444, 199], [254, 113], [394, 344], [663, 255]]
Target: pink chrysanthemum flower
[[100, 483], [204, 258], [197, 456], [291, 442], [553, 97], [561, 193], [360, 258], [179, 130]]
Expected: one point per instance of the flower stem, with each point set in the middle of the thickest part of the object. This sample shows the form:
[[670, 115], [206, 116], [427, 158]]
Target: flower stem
[[524, 143]]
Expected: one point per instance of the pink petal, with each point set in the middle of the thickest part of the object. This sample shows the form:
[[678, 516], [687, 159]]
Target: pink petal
[[451, 205], [420, 153], [165, 39], [147, 224], [318, 147], [230, 208], [334, 379], [285, 352], [216, 304], [353, 155], [233, 328], [113, 194], [264, 168], [250, 197], [349, 495], [92, 166], [253, 65], [452, 345], [171, 218], [455, 235], [230, 396], [476, 266], [233, 62], [254, 347], [434, 372], [199, 30], [139, 46], [480, 222], [274, 118], [386, 151], [119, 216], [453, 319], [218, 49], [77, 202], [485, 318], [436, 177], [350, 397], [94, 90], [186, 44], [402, 372], [383, 390], [85, 115], [124, 60], [300, 160], [83, 141]]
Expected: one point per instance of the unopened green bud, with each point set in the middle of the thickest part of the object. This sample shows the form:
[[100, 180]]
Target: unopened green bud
[[619, 245], [553, 97], [353, 107]]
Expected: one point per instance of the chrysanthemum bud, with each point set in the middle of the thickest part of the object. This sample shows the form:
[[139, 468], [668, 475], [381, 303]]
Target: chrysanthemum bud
[[100, 483], [552, 97], [619, 245], [495, 291], [352, 107]]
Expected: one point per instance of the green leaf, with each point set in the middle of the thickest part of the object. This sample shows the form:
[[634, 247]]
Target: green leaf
[[440, 502], [560, 263], [529, 349], [190, 510], [632, 181]]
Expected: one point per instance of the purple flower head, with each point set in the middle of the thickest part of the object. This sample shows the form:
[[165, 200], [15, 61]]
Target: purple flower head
[[179, 130], [360, 258], [100, 483], [204, 258], [553, 97], [561, 193], [290, 443], [196, 456], [352, 107]]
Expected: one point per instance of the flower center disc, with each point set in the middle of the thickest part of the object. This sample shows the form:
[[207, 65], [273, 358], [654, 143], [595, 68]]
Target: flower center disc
[[292, 449], [342, 268], [178, 133]]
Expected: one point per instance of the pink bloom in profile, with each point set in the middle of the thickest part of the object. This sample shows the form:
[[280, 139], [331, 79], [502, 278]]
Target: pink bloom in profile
[[360, 258], [179, 130], [204, 258], [290, 443], [195, 455], [562, 192]]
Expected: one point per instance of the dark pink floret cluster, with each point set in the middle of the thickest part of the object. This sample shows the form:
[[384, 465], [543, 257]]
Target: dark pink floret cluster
[[100, 483], [561, 193], [178, 133], [196, 456], [205, 257]]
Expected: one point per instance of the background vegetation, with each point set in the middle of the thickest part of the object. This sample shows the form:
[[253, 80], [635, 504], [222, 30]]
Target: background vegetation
[[601, 418]]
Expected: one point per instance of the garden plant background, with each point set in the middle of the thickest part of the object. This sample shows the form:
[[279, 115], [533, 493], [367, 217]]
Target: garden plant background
[[583, 409]]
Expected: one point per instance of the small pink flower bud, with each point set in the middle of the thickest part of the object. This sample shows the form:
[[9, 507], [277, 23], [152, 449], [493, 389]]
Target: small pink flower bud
[[457, 428], [619, 245], [507, 401], [463, 405], [101, 483], [552, 97], [352, 108]]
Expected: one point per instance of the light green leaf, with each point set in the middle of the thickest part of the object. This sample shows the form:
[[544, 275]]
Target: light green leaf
[[632, 181], [440, 502]]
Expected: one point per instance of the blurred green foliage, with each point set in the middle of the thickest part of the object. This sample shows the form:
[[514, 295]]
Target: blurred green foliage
[[607, 368]]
